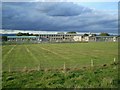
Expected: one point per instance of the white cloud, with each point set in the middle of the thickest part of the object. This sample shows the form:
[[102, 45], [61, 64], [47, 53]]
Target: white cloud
[[26, 31]]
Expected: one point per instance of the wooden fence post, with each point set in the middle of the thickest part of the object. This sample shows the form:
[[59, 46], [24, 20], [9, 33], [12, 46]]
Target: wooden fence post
[[92, 63], [9, 68], [24, 69], [39, 67], [114, 60], [64, 68]]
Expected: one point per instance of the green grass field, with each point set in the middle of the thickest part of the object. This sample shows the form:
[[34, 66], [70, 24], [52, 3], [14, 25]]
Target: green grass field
[[73, 55], [99, 77], [65, 65]]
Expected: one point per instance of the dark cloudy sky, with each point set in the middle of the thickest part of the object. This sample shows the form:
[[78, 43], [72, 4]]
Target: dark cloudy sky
[[67, 16]]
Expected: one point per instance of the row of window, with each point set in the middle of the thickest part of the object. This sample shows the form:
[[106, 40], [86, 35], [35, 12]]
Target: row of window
[[58, 38], [56, 35]]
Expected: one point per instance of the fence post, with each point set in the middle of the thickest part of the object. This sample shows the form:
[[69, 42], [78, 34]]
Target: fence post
[[115, 63], [64, 68], [24, 69], [9, 67], [39, 67], [92, 63], [114, 60]]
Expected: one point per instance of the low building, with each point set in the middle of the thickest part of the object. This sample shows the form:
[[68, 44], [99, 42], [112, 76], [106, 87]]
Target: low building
[[22, 38], [63, 38], [103, 38], [58, 37]]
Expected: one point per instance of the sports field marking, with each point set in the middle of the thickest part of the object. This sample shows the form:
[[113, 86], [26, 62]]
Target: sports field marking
[[11, 49], [8, 52], [27, 50], [32, 55], [54, 53]]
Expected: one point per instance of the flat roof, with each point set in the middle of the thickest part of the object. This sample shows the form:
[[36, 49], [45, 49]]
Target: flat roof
[[22, 36], [60, 34], [105, 36]]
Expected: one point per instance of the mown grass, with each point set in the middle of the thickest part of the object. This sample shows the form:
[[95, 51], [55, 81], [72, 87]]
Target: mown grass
[[55, 55]]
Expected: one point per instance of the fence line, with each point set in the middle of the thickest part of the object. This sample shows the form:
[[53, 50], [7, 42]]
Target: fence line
[[62, 68]]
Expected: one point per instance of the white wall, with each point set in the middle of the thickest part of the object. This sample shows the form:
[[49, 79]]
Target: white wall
[[77, 38]]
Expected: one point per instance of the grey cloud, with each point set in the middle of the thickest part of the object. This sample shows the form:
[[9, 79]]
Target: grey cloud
[[62, 9], [56, 17]]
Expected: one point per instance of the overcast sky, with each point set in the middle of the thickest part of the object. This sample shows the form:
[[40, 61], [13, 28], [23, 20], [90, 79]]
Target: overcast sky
[[61, 16]]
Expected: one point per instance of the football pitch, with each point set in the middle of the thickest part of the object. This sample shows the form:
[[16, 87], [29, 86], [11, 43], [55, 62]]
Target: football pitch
[[52, 56]]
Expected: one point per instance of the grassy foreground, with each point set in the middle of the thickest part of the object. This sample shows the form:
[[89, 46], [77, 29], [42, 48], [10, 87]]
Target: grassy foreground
[[105, 76], [67, 65]]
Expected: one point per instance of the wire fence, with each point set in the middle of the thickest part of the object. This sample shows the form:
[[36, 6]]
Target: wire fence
[[63, 68]]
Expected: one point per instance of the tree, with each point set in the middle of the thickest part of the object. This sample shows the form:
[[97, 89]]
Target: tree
[[104, 34], [27, 34], [71, 32], [4, 38], [86, 34], [19, 34], [94, 35], [31, 34], [24, 34]]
